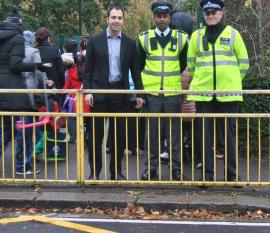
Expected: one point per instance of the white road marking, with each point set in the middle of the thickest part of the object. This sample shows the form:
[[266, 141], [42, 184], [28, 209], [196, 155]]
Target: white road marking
[[165, 222]]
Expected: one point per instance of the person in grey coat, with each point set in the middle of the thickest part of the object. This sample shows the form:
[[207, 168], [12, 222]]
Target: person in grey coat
[[32, 79], [38, 78]]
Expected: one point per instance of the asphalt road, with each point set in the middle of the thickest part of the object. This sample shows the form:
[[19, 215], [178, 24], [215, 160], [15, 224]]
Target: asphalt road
[[126, 226]]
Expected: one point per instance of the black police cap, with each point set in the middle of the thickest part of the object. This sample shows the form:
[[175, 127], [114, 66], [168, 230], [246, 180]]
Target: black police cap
[[211, 5], [161, 7]]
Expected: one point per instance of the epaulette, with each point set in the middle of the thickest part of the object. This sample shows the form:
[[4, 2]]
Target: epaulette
[[181, 31], [143, 33]]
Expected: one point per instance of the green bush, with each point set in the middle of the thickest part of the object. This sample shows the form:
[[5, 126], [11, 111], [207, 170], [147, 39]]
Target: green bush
[[256, 104]]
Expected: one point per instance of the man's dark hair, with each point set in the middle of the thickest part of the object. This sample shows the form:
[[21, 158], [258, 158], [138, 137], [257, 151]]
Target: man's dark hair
[[116, 8], [71, 46]]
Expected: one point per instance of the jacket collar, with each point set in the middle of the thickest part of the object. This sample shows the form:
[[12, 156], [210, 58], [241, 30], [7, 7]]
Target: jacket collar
[[166, 32], [44, 43], [119, 35]]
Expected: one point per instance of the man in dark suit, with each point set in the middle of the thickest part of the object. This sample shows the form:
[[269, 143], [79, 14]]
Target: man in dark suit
[[109, 57]]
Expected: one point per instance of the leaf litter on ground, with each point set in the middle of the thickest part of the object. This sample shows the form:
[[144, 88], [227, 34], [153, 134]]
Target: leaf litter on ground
[[133, 211]]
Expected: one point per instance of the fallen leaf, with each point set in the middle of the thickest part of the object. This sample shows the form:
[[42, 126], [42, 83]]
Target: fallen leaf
[[32, 211], [248, 213], [259, 212], [151, 217], [164, 217], [116, 213], [123, 216], [78, 210], [87, 211], [131, 206], [97, 211], [133, 193], [140, 211], [155, 212], [196, 214]]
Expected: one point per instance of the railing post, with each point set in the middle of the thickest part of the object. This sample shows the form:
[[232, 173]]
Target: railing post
[[80, 137]]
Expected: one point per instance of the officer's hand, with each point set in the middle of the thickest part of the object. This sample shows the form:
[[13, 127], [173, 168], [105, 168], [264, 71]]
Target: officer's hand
[[139, 102], [89, 99]]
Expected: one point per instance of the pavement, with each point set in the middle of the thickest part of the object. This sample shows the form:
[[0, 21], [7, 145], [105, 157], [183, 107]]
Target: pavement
[[119, 195], [225, 199]]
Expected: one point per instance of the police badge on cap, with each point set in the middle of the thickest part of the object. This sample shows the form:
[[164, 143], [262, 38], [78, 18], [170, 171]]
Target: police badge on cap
[[161, 7], [212, 5]]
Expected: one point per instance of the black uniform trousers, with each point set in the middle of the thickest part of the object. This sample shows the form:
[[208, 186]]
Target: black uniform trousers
[[113, 103], [215, 106]]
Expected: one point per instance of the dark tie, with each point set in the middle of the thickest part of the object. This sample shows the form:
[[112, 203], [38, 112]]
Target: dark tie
[[162, 34]]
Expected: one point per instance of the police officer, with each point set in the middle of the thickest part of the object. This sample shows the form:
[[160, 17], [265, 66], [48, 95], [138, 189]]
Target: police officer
[[217, 60], [162, 53]]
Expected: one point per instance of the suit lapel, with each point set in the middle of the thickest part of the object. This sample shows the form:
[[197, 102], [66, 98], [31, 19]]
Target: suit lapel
[[104, 44], [122, 49]]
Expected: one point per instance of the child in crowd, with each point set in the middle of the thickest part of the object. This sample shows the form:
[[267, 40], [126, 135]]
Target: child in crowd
[[70, 49], [74, 81]]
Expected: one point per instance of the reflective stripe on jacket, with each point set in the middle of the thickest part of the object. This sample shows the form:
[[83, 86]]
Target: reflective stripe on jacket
[[222, 67], [162, 67]]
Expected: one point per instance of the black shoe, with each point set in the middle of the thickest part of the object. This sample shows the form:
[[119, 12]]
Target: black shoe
[[91, 177], [145, 174], [176, 175], [233, 179], [120, 176], [164, 160], [207, 178]]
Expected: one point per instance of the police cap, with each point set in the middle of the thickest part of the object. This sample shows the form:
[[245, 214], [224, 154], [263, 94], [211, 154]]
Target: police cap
[[161, 7], [212, 5]]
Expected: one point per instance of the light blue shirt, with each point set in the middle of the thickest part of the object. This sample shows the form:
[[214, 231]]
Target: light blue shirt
[[114, 46]]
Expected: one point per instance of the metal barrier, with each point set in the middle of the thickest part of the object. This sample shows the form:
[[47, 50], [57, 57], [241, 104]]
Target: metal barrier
[[74, 169]]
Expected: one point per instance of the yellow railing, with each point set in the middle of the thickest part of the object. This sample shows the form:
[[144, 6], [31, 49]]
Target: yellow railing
[[74, 168]]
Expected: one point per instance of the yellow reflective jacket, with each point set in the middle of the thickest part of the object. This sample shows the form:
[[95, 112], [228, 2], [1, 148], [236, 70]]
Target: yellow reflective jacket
[[162, 67], [222, 67]]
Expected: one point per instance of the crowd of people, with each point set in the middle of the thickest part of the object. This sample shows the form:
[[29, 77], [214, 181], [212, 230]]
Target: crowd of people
[[166, 57]]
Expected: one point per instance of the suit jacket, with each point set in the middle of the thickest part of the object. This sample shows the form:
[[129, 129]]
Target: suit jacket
[[97, 64]]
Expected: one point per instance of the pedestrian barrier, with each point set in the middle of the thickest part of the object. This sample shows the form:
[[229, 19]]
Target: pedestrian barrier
[[72, 167]]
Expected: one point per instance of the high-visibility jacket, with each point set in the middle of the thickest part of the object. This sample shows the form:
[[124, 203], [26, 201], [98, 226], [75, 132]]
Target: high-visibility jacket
[[162, 67], [222, 67]]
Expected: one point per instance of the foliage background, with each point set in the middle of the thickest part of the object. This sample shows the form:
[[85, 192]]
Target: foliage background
[[62, 16]]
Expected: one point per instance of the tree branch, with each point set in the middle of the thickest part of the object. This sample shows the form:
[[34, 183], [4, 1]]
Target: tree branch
[[254, 46], [254, 12], [265, 45], [265, 26]]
